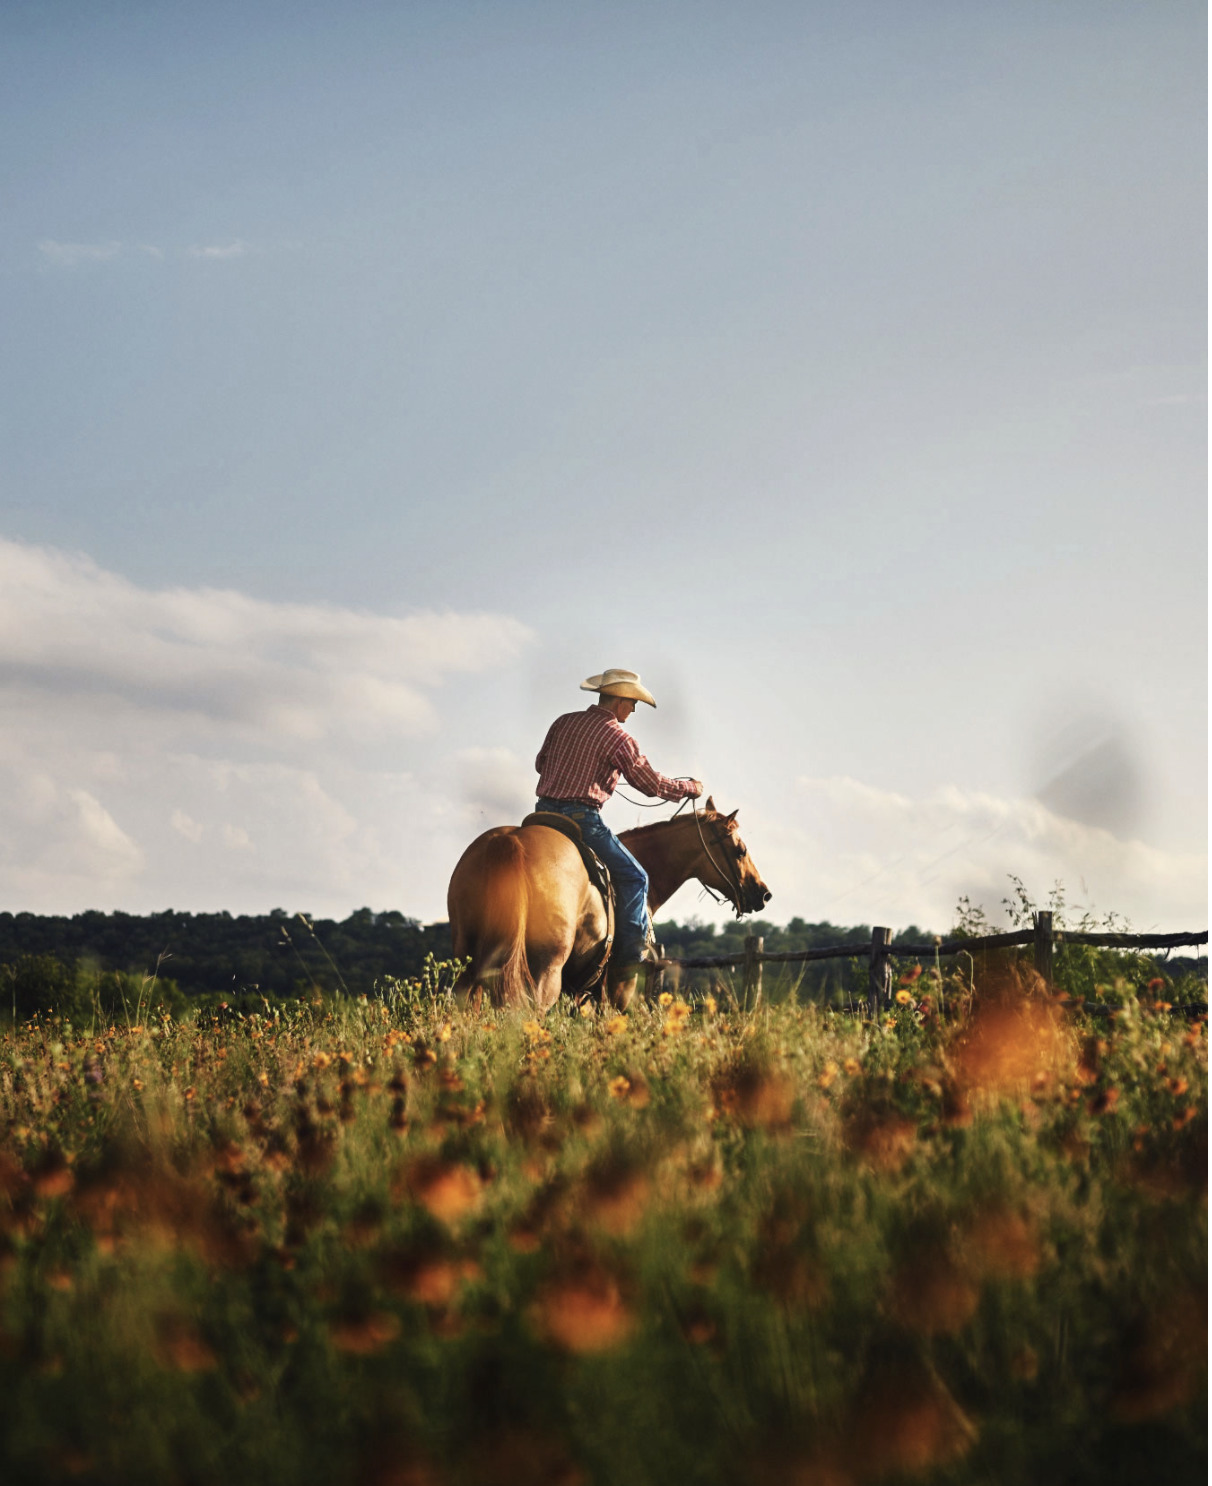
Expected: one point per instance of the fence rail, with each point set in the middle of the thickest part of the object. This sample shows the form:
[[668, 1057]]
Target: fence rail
[[880, 952]]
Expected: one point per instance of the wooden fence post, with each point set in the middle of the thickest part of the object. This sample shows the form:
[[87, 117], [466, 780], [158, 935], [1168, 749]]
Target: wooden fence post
[[1043, 946], [753, 970], [879, 972]]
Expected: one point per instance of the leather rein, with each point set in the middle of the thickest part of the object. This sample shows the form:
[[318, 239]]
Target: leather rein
[[733, 877]]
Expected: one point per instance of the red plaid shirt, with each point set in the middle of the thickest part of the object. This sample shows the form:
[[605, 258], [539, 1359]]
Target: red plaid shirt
[[584, 753]]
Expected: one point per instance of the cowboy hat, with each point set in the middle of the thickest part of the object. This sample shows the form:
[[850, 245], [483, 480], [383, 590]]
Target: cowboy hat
[[616, 683]]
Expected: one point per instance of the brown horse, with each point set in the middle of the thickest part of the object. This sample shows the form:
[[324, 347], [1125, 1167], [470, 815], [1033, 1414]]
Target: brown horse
[[522, 909]]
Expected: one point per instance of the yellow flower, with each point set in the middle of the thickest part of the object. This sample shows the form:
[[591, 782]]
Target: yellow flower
[[444, 1032], [664, 999], [321, 1060], [616, 1024], [709, 1005], [852, 1066], [904, 998], [828, 1074], [620, 1086]]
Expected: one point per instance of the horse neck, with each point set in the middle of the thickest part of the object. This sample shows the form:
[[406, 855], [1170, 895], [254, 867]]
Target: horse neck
[[671, 857]]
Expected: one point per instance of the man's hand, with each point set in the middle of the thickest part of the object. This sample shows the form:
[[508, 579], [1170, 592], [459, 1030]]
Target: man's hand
[[696, 788]]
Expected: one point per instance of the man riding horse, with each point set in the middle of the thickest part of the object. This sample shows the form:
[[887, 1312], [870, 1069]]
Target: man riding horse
[[579, 766], [528, 915]]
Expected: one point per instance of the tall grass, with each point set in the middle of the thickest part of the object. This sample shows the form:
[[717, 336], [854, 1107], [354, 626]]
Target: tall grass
[[400, 1242]]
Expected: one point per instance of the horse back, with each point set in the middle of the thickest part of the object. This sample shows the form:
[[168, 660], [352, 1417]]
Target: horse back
[[519, 902]]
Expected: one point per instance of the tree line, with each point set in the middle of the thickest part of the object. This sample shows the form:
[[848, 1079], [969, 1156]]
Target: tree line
[[123, 963]]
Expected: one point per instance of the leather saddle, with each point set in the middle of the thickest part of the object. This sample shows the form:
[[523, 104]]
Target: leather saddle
[[599, 877]]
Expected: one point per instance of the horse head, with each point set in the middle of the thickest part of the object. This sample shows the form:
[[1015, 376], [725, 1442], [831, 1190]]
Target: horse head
[[725, 864]]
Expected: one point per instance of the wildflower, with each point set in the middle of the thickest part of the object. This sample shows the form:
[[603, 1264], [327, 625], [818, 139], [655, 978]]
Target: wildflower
[[911, 975], [321, 1061], [1156, 984], [828, 1074], [709, 1005], [1105, 1102], [1177, 1086], [448, 1190], [1002, 1244], [852, 1067], [136, 1084], [904, 998], [675, 1020], [182, 1348], [583, 1314], [932, 1296], [444, 1032], [619, 1086], [616, 1195], [762, 1098], [665, 999], [615, 1025], [883, 1138], [364, 1335], [920, 1425]]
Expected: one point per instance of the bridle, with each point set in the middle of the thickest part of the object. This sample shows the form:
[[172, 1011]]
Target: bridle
[[736, 890], [733, 877]]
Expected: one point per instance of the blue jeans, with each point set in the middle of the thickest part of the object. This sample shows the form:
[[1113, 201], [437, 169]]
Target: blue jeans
[[629, 878]]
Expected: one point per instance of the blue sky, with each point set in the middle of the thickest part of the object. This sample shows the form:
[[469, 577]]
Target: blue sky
[[839, 367]]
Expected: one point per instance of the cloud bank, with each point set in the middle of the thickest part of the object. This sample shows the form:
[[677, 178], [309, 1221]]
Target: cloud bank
[[855, 853], [202, 746]]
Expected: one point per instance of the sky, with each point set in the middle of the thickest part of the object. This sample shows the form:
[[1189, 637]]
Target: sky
[[373, 373]]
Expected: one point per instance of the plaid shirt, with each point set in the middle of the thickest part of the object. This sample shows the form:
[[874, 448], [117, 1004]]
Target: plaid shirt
[[583, 755]]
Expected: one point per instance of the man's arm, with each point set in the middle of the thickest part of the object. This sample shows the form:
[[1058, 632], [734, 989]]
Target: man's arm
[[640, 774]]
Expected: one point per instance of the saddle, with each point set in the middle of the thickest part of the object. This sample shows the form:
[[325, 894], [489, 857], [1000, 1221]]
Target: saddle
[[599, 878]]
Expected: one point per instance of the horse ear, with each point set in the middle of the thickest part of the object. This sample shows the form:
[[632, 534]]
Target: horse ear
[[710, 804], [733, 816]]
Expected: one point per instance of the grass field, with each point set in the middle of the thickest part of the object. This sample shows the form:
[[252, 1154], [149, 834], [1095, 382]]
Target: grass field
[[397, 1243]]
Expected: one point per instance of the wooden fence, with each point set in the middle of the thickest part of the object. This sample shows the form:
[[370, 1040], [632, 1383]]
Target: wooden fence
[[880, 952]]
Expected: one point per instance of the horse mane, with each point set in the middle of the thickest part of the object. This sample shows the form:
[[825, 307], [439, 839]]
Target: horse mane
[[664, 825]]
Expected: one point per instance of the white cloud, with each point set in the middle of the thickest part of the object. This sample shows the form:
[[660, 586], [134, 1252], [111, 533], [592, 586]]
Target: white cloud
[[236, 249], [191, 829], [849, 851], [59, 838], [272, 673], [268, 736], [68, 255]]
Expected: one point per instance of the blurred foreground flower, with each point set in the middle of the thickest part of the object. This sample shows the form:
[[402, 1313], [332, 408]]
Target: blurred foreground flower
[[583, 1313], [447, 1189]]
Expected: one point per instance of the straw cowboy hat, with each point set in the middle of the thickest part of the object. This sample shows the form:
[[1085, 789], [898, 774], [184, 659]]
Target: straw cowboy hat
[[616, 683]]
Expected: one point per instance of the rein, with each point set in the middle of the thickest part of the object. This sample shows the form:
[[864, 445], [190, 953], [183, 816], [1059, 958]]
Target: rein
[[731, 877]]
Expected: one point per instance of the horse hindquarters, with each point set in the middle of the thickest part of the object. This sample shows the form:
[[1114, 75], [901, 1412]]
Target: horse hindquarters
[[488, 905]]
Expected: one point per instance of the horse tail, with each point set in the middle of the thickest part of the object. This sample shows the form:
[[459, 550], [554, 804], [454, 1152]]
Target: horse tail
[[503, 926]]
